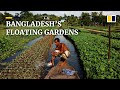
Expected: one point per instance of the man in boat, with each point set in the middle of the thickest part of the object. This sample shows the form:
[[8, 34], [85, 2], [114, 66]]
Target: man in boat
[[60, 50]]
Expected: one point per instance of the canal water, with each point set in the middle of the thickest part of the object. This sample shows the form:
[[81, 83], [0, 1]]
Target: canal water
[[73, 60]]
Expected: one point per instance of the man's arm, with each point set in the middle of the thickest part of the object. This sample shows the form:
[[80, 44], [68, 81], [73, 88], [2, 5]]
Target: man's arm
[[62, 49]]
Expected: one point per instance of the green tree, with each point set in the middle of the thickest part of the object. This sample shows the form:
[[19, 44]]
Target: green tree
[[104, 20], [38, 17], [26, 16], [54, 17], [117, 19], [101, 18], [72, 20], [17, 17], [1, 18], [95, 18], [85, 18], [6, 14]]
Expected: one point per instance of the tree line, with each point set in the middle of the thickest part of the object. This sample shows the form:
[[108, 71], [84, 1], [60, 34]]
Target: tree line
[[87, 19]]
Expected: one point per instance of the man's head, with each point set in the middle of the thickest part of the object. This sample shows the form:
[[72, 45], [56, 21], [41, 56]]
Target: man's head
[[57, 41]]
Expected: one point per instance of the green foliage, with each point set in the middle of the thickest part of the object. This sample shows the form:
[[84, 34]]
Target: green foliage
[[114, 35], [30, 63], [72, 20], [94, 54], [1, 18], [9, 45], [26, 16], [85, 19]]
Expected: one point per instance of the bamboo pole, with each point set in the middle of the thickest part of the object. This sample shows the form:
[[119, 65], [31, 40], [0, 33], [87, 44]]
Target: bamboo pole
[[109, 44]]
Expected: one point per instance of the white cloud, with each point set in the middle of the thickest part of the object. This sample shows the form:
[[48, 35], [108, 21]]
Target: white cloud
[[111, 12], [11, 12]]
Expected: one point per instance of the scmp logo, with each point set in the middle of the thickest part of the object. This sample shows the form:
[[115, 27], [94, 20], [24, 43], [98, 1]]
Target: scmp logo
[[111, 18]]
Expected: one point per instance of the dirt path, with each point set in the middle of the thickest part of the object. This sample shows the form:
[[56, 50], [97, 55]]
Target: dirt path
[[97, 31]]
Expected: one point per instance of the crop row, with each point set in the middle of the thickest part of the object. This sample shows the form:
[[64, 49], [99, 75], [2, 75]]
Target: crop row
[[93, 50], [11, 44], [29, 64]]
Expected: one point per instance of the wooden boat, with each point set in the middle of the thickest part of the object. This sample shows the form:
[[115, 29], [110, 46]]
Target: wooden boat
[[56, 72]]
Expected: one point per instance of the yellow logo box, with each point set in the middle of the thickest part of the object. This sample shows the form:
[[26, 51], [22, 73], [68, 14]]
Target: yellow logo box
[[111, 18]]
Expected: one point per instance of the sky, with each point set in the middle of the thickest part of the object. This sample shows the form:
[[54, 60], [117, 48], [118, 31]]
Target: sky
[[68, 13]]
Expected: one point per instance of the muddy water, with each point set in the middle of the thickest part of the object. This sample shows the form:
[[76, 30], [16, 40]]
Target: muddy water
[[73, 60]]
